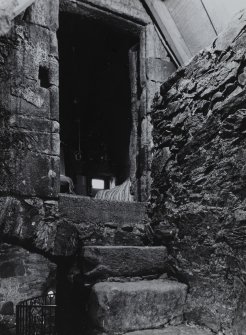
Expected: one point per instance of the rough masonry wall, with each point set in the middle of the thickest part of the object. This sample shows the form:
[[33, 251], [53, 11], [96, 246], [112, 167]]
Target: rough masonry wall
[[29, 103], [155, 67], [29, 149], [29, 135], [23, 275], [198, 205]]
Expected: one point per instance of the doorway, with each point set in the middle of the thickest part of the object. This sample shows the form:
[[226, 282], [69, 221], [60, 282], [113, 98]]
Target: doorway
[[95, 103]]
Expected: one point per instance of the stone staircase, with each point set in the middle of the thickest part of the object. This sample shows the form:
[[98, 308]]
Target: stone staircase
[[130, 294], [127, 289]]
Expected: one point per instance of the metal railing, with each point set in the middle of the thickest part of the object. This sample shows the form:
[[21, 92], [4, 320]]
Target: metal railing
[[37, 316]]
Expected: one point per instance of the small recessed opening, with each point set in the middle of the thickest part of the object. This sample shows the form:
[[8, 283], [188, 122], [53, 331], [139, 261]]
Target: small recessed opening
[[95, 102], [43, 77], [98, 184]]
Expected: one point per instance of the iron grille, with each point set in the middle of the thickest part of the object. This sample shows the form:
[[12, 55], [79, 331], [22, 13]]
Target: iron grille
[[36, 316]]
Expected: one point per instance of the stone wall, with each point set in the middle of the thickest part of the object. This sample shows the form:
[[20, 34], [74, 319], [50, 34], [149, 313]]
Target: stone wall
[[29, 149], [29, 103], [29, 136], [198, 204], [101, 222], [23, 275]]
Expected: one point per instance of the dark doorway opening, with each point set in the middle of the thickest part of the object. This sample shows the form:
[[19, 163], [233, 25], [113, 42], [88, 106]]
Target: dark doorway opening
[[95, 103]]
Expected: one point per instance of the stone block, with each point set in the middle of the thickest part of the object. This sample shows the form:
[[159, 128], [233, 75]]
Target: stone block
[[11, 269], [159, 70], [40, 142], [32, 282], [29, 223], [33, 101], [29, 173], [154, 45], [44, 143], [54, 103], [44, 13], [117, 261], [121, 307], [92, 217], [174, 330], [53, 71], [38, 175], [54, 51], [133, 9], [153, 88], [35, 45], [35, 124]]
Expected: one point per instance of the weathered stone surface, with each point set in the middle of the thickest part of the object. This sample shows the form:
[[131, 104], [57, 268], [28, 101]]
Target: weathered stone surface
[[92, 217], [159, 70], [57, 231], [122, 307], [198, 193], [29, 162], [113, 261], [174, 330], [29, 275], [29, 173], [44, 13], [11, 269], [29, 130], [132, 9], [36, 225]]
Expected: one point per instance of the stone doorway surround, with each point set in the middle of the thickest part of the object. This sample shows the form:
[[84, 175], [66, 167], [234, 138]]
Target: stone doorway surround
[[149, 67]]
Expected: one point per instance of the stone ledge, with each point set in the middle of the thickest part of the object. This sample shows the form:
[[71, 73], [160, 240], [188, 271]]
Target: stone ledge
[[174, 330], [103, 222], [171, 330], [123, 261]]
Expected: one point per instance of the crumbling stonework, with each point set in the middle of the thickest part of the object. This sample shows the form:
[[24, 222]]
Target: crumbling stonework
[[23, 275], [29, 111], [29, 137], [29, 149], [198, 194]]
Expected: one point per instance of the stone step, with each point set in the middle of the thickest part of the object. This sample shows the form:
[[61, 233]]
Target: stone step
[[123, 261], [123, 307], [104, 222], [174, 330]]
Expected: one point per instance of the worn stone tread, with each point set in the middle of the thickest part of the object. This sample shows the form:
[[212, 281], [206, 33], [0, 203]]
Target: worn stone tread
[[123, 261], [174, 330], [129, 306]]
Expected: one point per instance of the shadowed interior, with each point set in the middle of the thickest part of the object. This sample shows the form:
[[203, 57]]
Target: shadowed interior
[[95, 102]]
